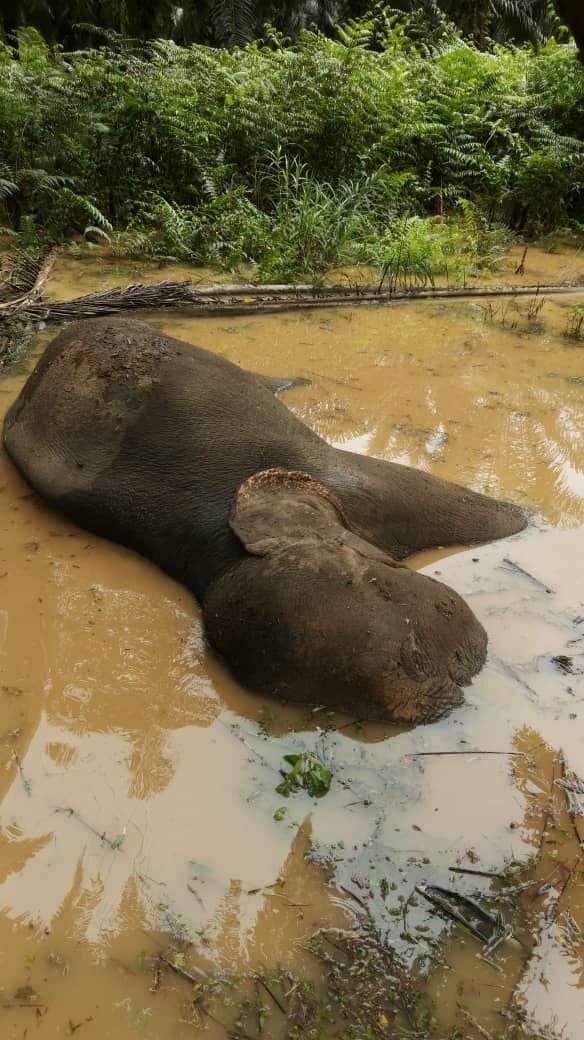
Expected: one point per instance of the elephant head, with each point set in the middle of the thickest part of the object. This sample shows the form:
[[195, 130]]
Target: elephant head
[[315, 613]]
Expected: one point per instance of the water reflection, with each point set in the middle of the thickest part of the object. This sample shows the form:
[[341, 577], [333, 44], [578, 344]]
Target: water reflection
[[115, 709]]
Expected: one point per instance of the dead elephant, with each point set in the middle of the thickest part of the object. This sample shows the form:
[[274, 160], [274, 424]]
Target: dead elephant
[[291, 546]]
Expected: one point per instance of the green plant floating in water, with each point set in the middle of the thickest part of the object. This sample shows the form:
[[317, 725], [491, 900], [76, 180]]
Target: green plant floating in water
[[307, 772]]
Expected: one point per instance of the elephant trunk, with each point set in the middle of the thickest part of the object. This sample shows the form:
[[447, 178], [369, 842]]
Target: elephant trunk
[[403, 510]]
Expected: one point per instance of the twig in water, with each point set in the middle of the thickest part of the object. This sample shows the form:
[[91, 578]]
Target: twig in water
[[554, 908], [476, 1025], [279, 895], [353, 896], [270, 993], [259, 1008], [353, 722], [426, 754], [521, 570], [274, 884], [491, 963], [115, 845], [194, 892], [543, 886], [146, 880], [156, 977], [513, 674], [181, 971], [25, 781], [242, 739], [549, 810], [479, 873], [573, 789], [489, 928]]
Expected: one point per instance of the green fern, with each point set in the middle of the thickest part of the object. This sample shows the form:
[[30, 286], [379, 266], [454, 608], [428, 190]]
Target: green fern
[[295, 155]]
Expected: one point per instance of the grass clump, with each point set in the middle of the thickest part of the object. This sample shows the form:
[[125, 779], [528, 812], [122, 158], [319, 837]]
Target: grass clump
[[574, 327]]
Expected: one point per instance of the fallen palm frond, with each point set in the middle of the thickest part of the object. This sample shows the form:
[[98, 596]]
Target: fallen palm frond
[[22, 279], [203, 300]]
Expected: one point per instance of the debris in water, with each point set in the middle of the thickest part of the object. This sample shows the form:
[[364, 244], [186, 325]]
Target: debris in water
[[510, 564], [178, 970], [573, 788], [489, 928], [478, 873], [426, 754], [566, 664], [114, 844], [270, 992], [25, 781]]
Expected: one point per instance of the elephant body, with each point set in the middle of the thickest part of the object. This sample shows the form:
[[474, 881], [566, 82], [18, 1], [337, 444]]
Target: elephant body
[[158, 445]]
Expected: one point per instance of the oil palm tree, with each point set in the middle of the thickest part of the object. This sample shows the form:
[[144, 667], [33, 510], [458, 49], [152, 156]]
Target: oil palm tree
[[234, 22]]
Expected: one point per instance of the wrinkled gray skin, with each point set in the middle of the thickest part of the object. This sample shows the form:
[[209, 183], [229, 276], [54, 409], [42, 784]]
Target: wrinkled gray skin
[[153, 443]]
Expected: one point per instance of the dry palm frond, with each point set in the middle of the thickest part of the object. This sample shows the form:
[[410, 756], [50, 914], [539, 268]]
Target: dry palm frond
[[22, 278]]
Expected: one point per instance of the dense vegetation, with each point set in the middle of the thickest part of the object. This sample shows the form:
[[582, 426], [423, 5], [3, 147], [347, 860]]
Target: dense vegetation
[[238, 21], [396, 143]]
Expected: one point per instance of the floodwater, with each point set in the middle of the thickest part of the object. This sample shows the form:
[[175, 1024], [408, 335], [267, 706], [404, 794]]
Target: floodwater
[[139, 813]]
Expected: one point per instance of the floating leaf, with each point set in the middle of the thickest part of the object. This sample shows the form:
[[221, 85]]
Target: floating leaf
[[308, 772]]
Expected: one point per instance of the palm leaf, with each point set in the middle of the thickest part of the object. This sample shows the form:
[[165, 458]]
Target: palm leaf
[[234, 21]]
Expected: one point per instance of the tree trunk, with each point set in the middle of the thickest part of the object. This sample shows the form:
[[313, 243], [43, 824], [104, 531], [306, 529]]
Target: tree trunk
[[572, 13], [480, 14]]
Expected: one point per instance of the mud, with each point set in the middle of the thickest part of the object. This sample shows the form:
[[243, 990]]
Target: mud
[[138, 780]]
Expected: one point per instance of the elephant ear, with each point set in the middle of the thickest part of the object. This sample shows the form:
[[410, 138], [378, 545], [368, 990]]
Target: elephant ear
[[278, 507]]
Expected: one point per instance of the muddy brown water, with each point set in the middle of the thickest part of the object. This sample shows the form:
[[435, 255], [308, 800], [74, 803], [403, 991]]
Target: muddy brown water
[[138, 780]]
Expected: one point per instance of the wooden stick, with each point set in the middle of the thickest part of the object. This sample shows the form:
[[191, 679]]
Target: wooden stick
[[478, 873], [270, 993], [476, 1025], [425, 754], [181, 971], [114, 845]]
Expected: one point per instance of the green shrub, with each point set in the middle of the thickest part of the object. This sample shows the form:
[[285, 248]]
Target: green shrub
[[296, 156]]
